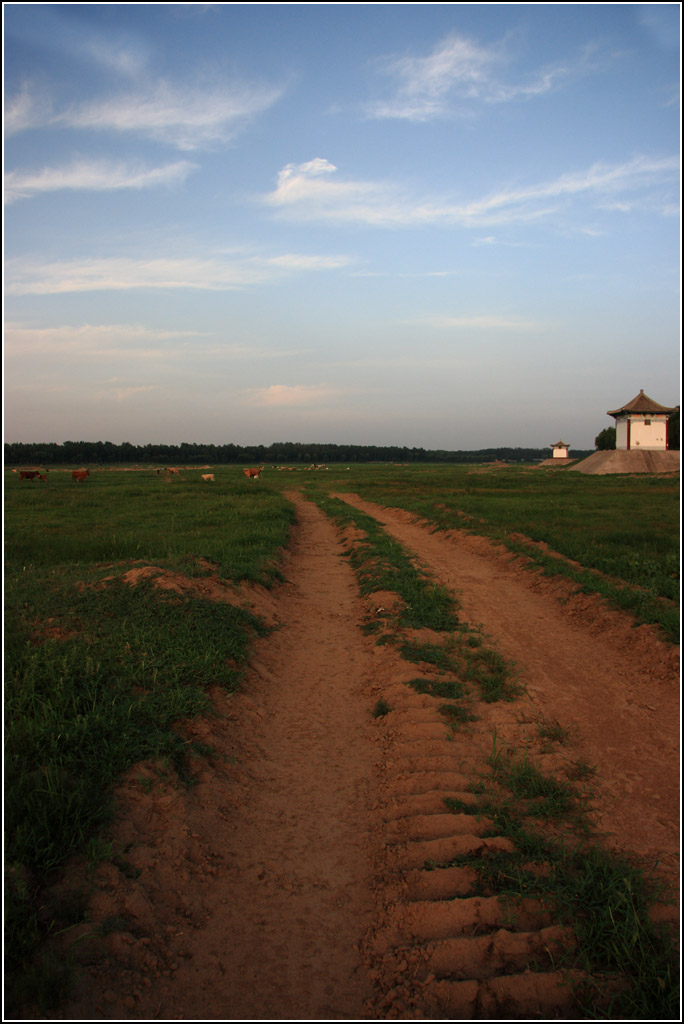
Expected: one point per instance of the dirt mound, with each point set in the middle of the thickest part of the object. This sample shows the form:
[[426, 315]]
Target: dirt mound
[[634, 461]]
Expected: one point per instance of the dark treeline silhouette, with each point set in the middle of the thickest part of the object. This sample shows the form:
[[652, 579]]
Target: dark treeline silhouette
[[106, 453]]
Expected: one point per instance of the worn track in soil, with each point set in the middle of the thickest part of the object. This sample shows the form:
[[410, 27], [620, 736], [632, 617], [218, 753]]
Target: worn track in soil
[[291, 882]]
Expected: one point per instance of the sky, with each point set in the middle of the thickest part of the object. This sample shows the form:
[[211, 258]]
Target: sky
[[443, 226]]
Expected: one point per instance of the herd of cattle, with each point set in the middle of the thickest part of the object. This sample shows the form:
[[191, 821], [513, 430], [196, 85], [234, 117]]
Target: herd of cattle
[[82, 474], [36, 474]]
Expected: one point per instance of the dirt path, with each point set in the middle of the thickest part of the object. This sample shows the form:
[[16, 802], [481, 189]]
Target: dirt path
[[268, 859], [616, 686], [291, 882]]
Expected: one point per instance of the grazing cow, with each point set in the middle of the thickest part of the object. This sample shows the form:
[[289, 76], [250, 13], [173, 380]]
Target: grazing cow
[[175, 472], [80, 474], [253, 474], [29, 474], [207, 476]]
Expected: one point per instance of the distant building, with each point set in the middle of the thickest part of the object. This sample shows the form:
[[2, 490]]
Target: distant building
[[641, 423], [560, 450]]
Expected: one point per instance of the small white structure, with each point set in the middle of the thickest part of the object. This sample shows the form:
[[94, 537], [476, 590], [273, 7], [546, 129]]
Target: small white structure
[[641, 423], [560, 450]]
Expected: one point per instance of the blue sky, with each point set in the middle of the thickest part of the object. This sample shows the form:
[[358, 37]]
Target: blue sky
[[435, 225]]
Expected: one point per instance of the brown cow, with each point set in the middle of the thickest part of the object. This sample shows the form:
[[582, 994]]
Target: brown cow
[[253, 474], [80, 474], [29, 474], [207, 476]]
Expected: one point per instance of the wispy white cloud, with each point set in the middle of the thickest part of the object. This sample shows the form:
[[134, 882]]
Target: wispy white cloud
[[291, 395], [27, 109], [187, 117], [311, 191], [461, 71], [29, 277], [424, 83], [184, 117], [93, 175]]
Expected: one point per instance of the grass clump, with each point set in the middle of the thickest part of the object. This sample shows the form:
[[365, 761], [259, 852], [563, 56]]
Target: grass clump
[[464, 655], [605, 899], [381, 708], [553, 732], [457, 714], [450, 689], [544, 796]]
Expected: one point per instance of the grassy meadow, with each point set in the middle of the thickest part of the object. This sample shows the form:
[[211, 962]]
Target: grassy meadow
[[100, 675]]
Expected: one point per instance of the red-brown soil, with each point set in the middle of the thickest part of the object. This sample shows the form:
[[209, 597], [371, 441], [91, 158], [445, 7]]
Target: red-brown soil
[[290, 882]]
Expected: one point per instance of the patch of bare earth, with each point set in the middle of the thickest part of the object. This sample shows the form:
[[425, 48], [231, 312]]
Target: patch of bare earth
[[293, 881]]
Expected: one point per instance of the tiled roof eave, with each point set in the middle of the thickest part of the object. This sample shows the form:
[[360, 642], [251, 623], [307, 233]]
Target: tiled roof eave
[[641, 404]]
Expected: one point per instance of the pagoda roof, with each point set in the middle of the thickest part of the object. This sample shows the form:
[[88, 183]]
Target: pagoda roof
[[560, 444], [642, 403]]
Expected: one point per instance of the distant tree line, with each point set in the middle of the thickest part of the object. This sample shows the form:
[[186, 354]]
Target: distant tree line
[[106, 453]]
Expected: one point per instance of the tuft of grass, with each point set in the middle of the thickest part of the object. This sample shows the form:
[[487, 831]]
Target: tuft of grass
[[580, 771], [553, 732], [603, 898], [465, 655], [381, 708], [451, 689], [457, 714], [546, 796]]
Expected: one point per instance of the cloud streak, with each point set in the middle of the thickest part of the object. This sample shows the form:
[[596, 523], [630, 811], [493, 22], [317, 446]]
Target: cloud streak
[[182, 116], [458, 73], [94, 176], [27, 277], [312, 191]]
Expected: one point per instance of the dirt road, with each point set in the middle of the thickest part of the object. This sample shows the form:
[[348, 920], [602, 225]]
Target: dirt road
[[289, 883], [589, 668]]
